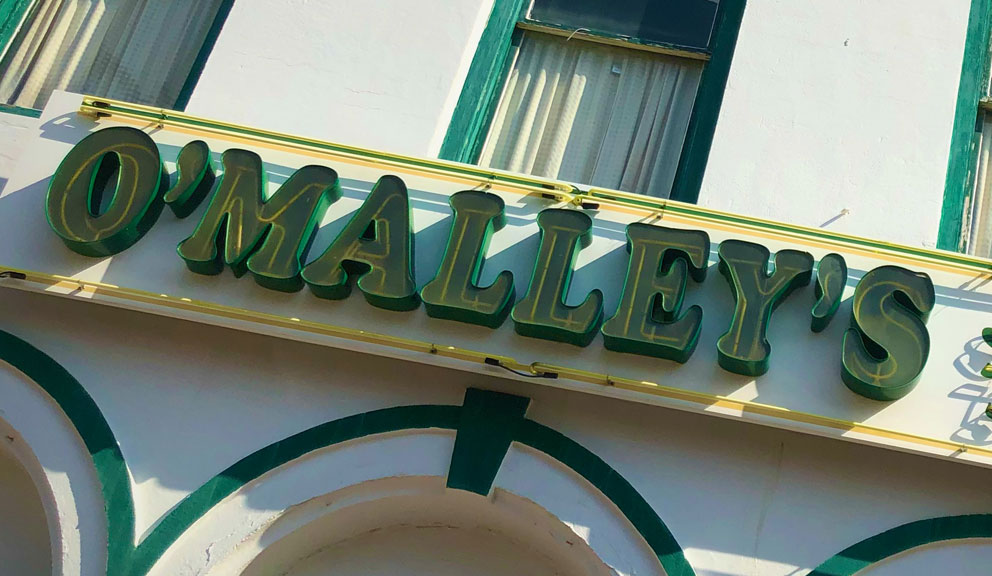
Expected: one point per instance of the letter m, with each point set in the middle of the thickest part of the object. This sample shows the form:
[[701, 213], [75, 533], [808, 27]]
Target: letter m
[[270, 237]]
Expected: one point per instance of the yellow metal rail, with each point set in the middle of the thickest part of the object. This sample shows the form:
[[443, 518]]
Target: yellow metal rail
[[104, 107], [564, 192], [76, 287], [650, 207]]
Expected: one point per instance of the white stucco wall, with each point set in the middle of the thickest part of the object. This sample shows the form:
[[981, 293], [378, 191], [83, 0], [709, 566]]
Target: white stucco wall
[[426, 551], [14, 132], [24, 542], [383, 74], [187, 400], [836, 114], [830, 107], [414, 526], [835, 107]]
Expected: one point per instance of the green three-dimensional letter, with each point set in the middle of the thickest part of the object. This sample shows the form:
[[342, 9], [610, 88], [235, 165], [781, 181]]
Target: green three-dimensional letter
[[744, 348], [454, 293], [266, 237], [76, 191], [542, 313], [887, 346], [196, 177], [831, 277], [647, 321], [377, 246]]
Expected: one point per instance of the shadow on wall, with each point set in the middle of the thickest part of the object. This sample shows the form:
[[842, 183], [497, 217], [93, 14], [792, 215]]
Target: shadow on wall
[[414, 526], [24, 535], [820, 354], [976, 393], [692, 465]]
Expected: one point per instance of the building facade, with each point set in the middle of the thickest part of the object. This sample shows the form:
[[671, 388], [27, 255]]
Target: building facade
[[487, 287]]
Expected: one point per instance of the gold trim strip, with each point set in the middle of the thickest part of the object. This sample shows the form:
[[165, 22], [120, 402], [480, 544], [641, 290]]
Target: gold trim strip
[[702, 399], [663, 208], [560, 191], [105, 107]]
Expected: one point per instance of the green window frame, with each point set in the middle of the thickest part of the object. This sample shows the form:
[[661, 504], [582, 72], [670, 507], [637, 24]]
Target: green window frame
[[490, 67], [969, 115], [13, 14]]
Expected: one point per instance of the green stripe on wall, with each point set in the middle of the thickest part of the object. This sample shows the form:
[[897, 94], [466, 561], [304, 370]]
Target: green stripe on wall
[[490, 408], [201, 57], [709, 99], [897, 540], [483, 84], [95, 432], [964, 141], [20, 111], [474, 111], [11, 14], [485, 429]]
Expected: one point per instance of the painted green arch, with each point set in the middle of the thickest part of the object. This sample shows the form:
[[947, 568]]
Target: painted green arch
[[474, 424], [195, 505], [615, 487], [902, 538], [480, 410], [491, 421], [96, 434]]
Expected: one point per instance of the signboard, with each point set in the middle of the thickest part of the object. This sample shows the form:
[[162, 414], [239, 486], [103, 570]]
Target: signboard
[[503, 274]]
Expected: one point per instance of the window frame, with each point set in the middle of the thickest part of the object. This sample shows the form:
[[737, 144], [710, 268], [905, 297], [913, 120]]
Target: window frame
[[971, 110], [15, 13], [487, 75]]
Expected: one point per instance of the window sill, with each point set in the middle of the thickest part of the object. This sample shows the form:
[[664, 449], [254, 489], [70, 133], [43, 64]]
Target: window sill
[[20, 111], [613, 40]]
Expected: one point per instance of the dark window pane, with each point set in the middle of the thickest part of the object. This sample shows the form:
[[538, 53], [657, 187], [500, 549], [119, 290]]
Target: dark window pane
[[685, 23]]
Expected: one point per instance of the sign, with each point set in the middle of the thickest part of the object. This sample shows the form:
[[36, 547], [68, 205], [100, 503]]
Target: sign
[[504, 274]]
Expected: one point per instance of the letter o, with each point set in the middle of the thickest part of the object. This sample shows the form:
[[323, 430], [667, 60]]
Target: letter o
[[74, 195]]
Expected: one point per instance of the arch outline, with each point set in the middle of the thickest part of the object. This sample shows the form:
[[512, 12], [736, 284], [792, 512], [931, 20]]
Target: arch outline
[[124, 558], [903, 538]]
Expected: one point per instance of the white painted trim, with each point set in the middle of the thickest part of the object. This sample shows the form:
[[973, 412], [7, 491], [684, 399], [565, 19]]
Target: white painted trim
[[564, 494], [50, 449], [234, 531], [458, 82], [399, 478]]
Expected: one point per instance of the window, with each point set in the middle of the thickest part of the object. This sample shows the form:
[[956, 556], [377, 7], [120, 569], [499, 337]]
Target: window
[[601, 94], [977, 235], [592, 114], [142, 51], [966, 214]]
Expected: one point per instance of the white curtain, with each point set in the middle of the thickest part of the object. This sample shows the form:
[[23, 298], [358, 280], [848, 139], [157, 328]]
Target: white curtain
[[593, 114], [979, 234], [135, 50]]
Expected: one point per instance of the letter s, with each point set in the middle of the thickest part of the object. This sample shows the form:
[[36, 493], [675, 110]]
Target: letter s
[[887, 346]]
